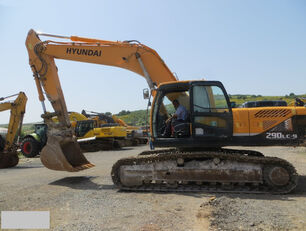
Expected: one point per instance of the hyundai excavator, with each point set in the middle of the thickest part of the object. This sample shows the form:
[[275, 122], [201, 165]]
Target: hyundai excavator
[[197, 160], [8, 148]]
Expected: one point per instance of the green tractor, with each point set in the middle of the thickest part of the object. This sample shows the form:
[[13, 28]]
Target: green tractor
[[33, 143]]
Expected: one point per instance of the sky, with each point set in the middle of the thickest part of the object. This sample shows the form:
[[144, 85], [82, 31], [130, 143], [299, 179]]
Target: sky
[[252, 47]]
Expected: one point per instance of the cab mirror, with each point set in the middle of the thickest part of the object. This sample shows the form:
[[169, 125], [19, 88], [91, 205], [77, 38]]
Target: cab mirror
[[146, 93]]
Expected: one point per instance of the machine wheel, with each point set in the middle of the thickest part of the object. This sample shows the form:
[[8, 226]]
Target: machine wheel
[[276, 176], [30, 147]]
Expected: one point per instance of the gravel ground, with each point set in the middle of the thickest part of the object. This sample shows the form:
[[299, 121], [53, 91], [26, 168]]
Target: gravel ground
[[264, 212], [87, 200]]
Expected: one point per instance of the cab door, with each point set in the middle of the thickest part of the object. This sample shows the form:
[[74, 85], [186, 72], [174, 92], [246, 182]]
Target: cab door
[[211, 114], [83, 127]]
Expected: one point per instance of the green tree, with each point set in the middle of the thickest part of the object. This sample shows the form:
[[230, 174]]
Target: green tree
[[123, 112], [108, 113]]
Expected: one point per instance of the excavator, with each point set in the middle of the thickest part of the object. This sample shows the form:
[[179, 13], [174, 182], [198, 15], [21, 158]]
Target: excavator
[[8, 148], [193, 157], [134, 134], [90, 136], [137, 134], [94, 136]]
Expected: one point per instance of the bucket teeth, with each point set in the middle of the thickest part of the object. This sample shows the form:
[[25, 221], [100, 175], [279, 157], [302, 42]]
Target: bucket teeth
[[83, 167]]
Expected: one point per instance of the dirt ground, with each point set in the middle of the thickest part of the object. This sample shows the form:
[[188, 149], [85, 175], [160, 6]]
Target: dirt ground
[[87, 200]]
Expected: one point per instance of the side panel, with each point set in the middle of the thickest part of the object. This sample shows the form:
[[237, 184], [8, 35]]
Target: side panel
[[263, 119], [241, 126]]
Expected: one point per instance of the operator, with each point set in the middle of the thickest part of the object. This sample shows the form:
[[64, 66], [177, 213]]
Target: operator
[[180, 116]]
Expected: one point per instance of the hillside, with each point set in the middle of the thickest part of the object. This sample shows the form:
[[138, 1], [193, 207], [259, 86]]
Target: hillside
[[137, 118]]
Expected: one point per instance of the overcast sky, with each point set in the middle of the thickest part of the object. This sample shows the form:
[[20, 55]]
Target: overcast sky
[[253, 47]]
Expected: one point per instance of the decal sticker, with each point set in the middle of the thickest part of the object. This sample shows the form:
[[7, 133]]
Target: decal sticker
[[87, 52], [280, 136]]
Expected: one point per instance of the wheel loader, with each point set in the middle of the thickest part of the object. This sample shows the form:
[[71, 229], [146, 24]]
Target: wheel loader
[[194, 157], [8, 147]]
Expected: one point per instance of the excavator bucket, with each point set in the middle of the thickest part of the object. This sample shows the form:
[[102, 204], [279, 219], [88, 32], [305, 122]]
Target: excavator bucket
[[8, 159], [63, 154]]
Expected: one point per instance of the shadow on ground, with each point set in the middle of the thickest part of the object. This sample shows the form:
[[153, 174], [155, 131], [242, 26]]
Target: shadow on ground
[[82, 183], [86, 183], [28, 166]]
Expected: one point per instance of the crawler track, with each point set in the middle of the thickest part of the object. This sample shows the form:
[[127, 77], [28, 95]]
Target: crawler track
[[219, 170], [100, 144], [8, 160]]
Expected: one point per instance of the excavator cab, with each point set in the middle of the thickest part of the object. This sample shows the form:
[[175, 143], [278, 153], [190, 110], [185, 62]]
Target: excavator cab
[[209, 120], [84, 126]]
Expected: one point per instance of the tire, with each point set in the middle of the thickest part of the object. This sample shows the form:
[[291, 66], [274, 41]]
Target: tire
[[30, 147]]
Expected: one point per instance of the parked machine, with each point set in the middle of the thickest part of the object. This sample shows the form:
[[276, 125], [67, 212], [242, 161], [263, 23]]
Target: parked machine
[[89, 134], [197, 161], [93, 135], [265, 103], [299, 101], [8, 147], [134, 134], [33, 143]]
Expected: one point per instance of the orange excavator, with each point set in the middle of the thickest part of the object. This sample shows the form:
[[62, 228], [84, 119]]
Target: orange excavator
[[8, 148], [197, 160]]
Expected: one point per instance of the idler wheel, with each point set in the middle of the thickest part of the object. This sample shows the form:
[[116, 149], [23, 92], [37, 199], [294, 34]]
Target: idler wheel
[[277, 176]]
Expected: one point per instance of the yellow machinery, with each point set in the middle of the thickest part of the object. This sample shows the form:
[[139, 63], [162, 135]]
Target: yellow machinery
[[134, 134], [93, 135], [8, 149], [300, 101], [198, 161]]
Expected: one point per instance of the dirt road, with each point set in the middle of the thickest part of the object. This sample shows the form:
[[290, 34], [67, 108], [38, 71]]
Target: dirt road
[[88, 200]]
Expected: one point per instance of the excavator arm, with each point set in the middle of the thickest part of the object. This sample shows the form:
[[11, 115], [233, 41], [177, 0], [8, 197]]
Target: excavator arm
[[8, 156], [130, 55]]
